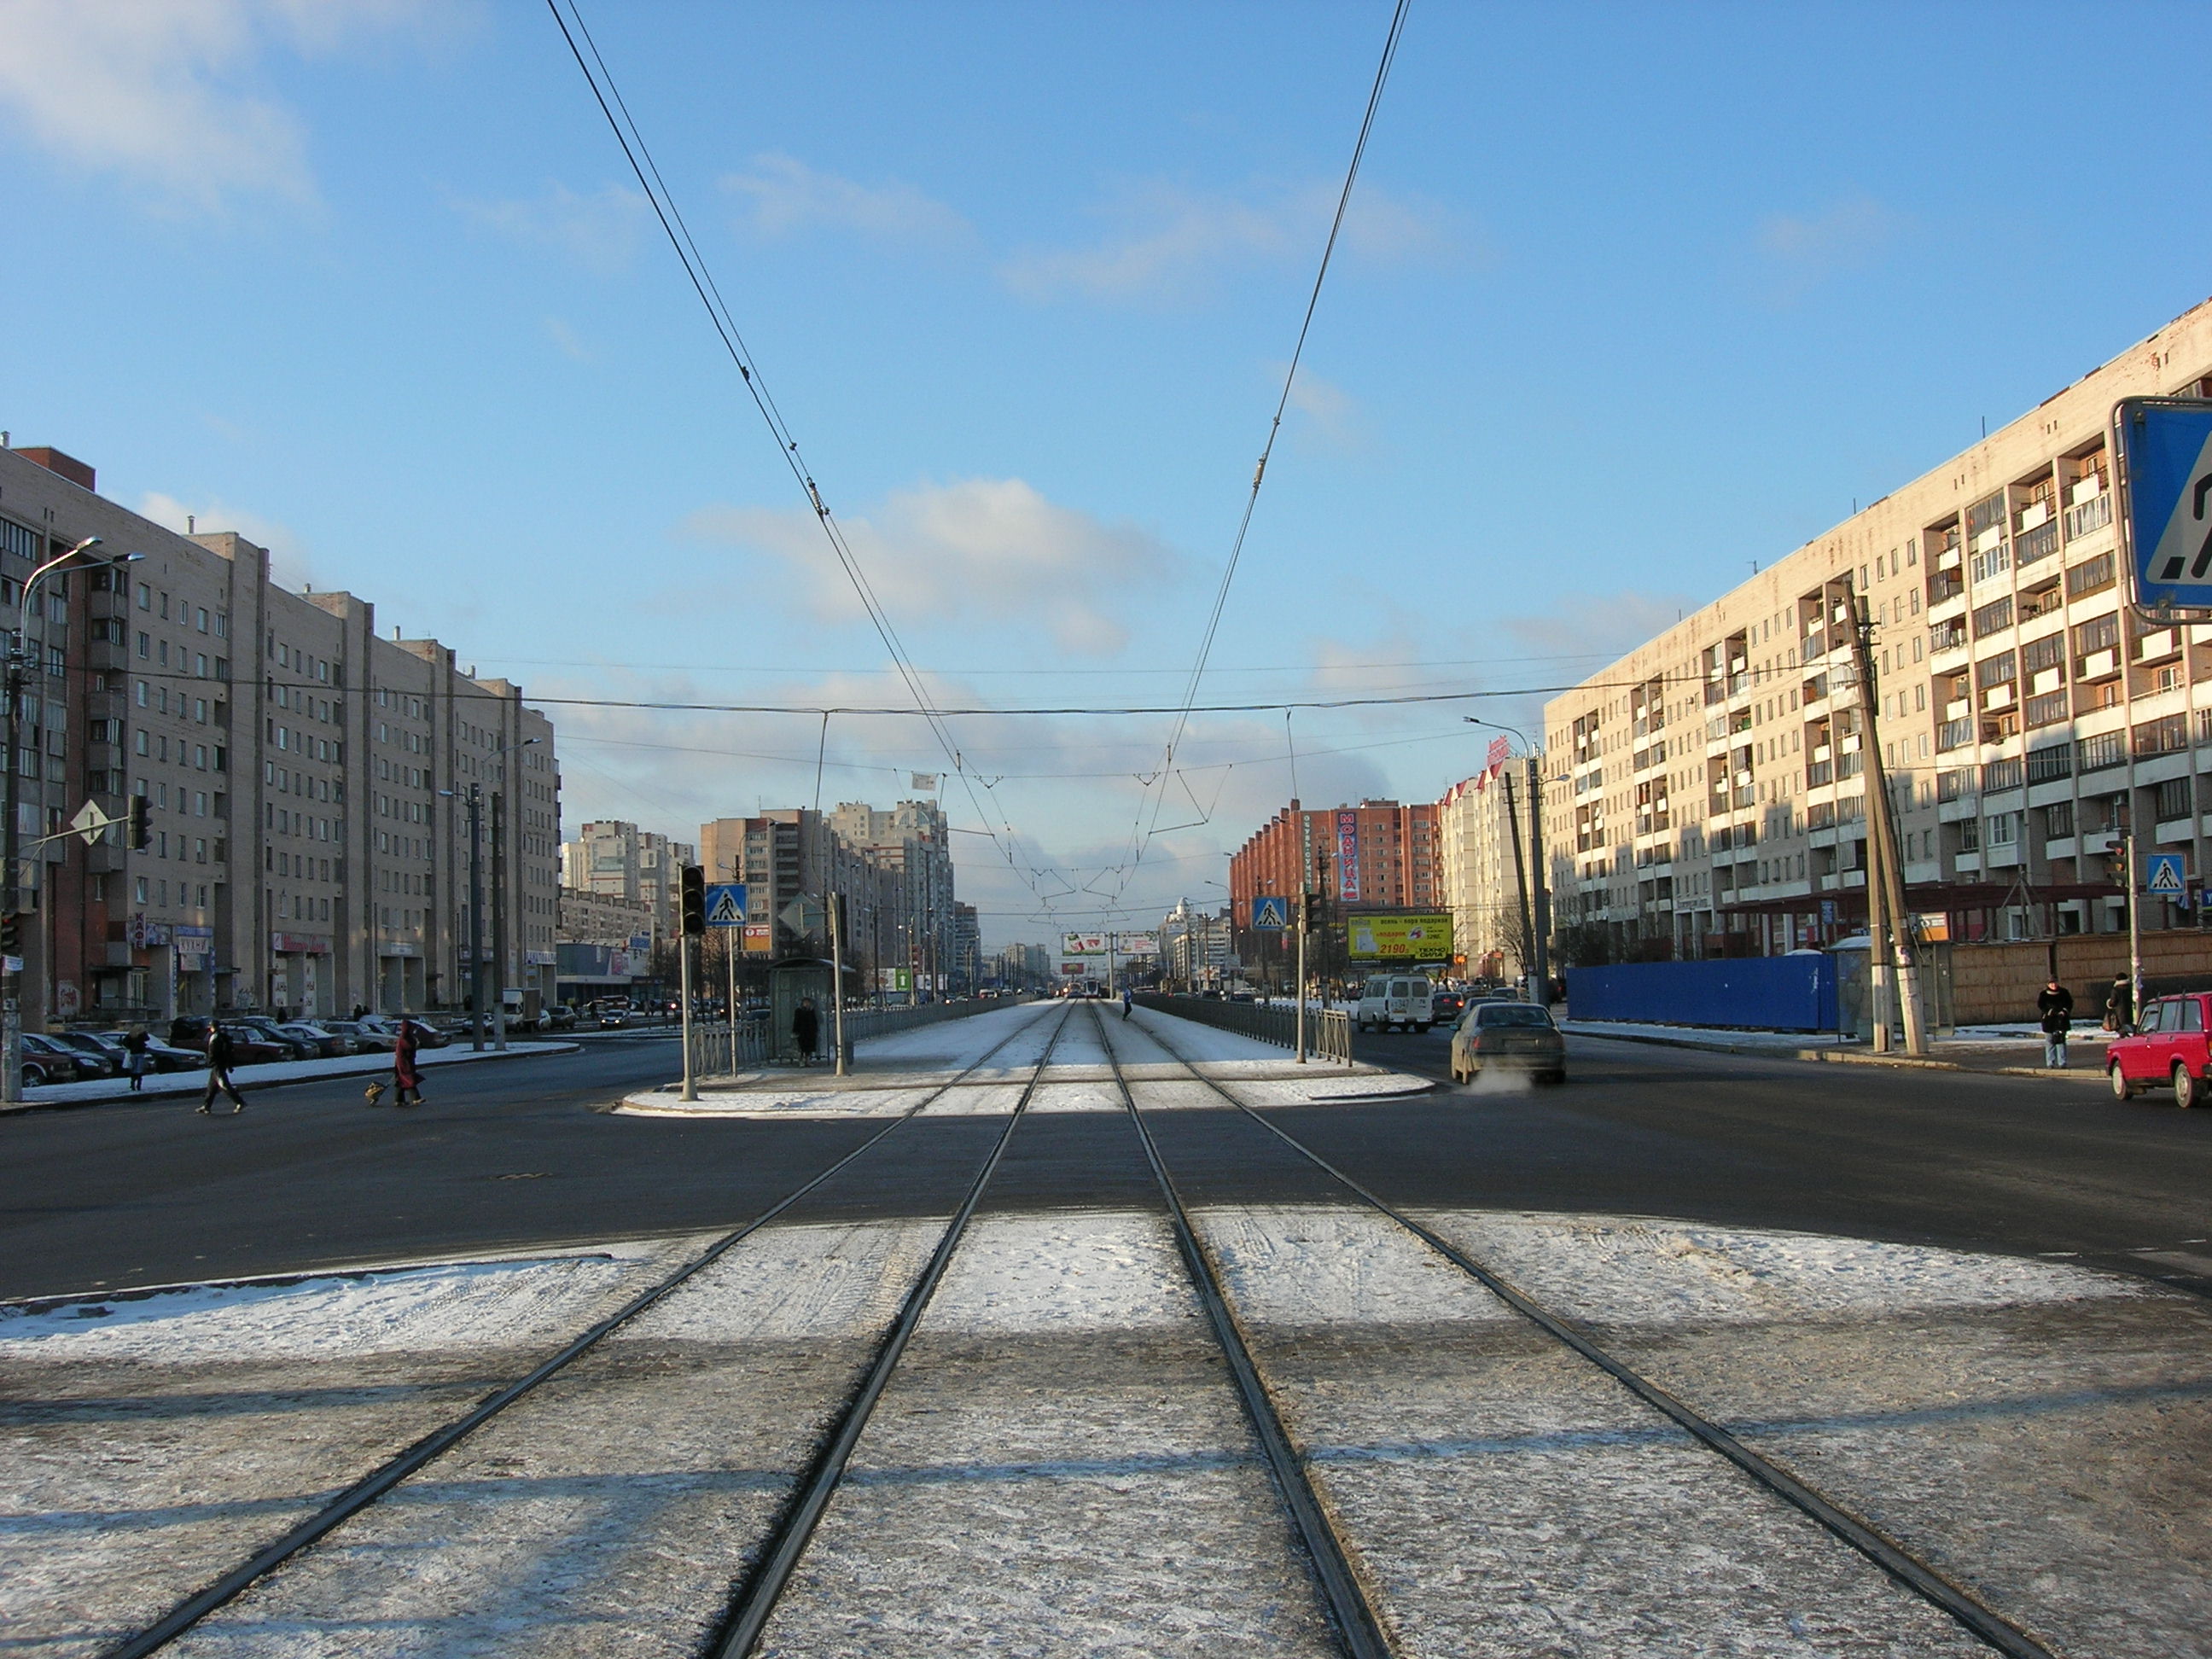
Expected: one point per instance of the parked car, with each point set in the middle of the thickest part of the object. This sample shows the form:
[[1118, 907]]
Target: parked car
[[1394, 1002], [329, 1044], [367, 1038], [165, 1056], [267, 1031], [426, 1035], [55, 1061], [560, 1018], [1515, 1037], [85, 1044], [251, 1046], [2170, 1046]]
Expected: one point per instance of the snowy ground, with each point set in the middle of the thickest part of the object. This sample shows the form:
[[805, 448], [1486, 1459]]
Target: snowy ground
[[891, 1076], [1061, 1466]]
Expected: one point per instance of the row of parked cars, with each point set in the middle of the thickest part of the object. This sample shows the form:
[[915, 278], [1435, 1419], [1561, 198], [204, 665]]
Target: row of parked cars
[[256, 1040]]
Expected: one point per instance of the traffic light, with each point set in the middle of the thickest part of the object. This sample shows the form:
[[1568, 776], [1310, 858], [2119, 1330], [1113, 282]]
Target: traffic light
[[10, 936], [693, 901], [142, 823], [2116, 868]]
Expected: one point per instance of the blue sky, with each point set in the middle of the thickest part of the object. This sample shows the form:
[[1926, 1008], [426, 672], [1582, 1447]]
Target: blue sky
[[1631, 297]]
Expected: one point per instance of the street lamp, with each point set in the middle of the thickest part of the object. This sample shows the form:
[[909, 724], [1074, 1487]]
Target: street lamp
[[1537, 891], [475, 798], [19, 664]]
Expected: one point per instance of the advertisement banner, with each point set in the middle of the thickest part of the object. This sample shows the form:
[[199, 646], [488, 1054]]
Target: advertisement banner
[[1347, 857], [1083, 945], [759, 938], [1073, 969], [1420, 936], [894, 979], [1137, 944]]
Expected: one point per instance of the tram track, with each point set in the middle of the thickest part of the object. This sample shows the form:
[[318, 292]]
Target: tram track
[[1894, 1558], [189, 1610]]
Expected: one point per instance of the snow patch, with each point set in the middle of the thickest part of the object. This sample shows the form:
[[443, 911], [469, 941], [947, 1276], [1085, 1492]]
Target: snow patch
[[1063, 1272]]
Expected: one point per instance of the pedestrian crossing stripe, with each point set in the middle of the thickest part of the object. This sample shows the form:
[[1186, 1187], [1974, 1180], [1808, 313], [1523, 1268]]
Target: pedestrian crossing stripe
[[727, 910], [2165, 877]]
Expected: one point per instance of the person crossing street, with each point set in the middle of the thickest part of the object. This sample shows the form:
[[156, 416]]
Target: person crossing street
[[221, 1054], [2054, 1005]]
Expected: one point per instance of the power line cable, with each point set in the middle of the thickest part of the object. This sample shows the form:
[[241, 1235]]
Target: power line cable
[[1274, 429]]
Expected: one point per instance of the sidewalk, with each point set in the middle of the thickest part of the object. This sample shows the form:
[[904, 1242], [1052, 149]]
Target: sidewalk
[[109, 1090], [2006, 1050]]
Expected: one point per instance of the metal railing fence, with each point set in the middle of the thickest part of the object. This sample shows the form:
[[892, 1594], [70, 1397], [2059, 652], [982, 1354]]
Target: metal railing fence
[[717, 1051], [1329, 1030]]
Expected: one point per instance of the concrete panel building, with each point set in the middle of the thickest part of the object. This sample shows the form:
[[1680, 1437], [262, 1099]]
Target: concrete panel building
[[1478, 824], [617, 859], [1707, 789], [308, 782]]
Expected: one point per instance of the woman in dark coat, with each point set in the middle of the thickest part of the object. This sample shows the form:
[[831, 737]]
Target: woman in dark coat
[[406, 1070]]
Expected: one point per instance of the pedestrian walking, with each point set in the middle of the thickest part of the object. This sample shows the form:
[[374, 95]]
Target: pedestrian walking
[[2120, 1007], [136, 1057], [406, 1066], [1127, 1002], [2054, 1005], [220, 1054], [805, 1030]]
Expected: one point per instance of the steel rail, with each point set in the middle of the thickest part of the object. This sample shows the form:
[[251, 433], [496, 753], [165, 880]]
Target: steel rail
[[1359, 1629], [753, 1598], [1887, 1553], [366, 1491]]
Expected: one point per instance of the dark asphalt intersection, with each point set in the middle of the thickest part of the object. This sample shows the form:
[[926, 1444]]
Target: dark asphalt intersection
[[522, 1155]]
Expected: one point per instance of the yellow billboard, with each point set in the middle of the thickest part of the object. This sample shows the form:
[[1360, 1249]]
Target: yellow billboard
[[1413, 935]]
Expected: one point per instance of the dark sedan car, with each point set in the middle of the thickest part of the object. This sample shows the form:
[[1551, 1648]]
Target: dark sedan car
[[330, 1043], [48, 1060], [165, 1056]]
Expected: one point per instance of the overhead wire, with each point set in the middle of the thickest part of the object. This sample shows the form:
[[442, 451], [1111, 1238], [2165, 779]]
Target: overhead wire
[[638, 154], [1274, 429]]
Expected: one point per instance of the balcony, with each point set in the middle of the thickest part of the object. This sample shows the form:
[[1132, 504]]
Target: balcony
[[2097, 665], [1954, 734], [1819, 772], [2161, 642], [1946, 584], [1998, 696], [2048, 709], [1947, 636], [2040, 542], [2092, 514]]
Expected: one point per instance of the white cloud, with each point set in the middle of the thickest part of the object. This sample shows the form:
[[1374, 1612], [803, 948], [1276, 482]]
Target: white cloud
[[782, 194], [600, 231], [567, 339], [1804, 252], [288, 565], [976, 548], [1171, 243], [1333, 412], [160, 92]]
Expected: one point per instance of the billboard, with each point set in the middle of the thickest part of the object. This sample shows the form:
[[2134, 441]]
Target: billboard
[[1137, 944], [759, 938], [1083, 945], [1417, 935], [1075, 969], [1347, 857], [1094, 945]]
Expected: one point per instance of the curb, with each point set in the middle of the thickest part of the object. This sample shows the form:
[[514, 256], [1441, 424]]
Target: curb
[[1841, 1057], [250, 1084]]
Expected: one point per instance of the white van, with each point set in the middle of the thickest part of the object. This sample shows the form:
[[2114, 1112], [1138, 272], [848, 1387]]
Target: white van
[[1396, 1002]]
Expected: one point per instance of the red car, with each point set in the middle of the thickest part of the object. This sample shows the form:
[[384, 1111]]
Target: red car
[[2173, 1048]]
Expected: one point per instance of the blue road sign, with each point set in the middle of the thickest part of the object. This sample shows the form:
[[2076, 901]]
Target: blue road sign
[[1271, 913], [2165, 449], [2163, 876], [726, 904]]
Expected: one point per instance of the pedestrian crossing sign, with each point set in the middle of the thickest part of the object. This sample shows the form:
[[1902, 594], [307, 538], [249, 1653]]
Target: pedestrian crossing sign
[[726, 904], [2163, 876], [1271, 913]]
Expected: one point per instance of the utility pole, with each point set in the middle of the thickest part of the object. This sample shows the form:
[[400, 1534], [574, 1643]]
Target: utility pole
[[476, 918], [1531, 977], [1305, 896], [2135, 924], [836, 977], [499, 920], [1891, 939], [1541, 904]]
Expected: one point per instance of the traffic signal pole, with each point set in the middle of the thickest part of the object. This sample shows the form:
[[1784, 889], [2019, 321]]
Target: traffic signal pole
[[11, 1022], [1305, 896]]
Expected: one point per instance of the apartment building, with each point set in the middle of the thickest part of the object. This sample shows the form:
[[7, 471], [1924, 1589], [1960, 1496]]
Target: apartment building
[[1707, 790], [1480, 823], [310, 784], [617, 859], [893, 866], [1378, 855], [605, 919], [1194, 945]]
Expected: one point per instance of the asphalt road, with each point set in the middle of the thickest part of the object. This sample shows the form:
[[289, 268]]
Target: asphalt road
[[515, 1155]]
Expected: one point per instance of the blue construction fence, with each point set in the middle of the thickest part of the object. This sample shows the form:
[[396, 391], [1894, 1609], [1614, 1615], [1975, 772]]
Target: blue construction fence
[[1772, 993]]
